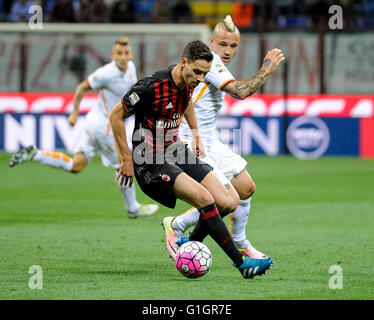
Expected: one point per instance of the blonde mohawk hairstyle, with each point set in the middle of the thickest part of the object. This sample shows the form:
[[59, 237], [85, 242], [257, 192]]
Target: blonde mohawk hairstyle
[[229, 24]]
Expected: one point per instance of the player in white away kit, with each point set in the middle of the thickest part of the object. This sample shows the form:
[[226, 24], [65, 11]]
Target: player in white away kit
[[229, 167], [112, 81]]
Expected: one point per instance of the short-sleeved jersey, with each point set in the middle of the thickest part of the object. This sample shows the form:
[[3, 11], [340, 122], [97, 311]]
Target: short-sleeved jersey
[[158, 105], [208, 98], [112, 84]]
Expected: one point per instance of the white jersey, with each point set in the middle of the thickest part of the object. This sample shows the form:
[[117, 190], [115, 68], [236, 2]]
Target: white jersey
[[208, 98], [112, 84], [97, 137]]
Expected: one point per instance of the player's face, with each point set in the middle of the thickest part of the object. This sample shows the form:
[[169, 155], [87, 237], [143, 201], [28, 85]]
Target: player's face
[[195, 71], [121, 55], [225, 44]]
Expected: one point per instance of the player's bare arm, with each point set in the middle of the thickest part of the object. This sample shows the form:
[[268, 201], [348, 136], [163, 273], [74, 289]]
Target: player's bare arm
[[126, 171], [245, 88], [197, 144], [78, 96]]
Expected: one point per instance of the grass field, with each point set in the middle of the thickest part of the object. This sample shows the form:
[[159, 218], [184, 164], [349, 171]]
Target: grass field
[[306, 215]]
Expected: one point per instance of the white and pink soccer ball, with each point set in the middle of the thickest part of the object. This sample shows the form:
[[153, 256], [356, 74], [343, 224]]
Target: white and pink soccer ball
[[193, 259]]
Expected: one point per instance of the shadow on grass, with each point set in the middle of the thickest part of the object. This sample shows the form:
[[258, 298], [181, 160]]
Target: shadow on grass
[[143, 273], [137, 272]]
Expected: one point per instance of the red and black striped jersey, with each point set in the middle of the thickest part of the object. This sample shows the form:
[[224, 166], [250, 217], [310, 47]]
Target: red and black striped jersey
[[158, 105]]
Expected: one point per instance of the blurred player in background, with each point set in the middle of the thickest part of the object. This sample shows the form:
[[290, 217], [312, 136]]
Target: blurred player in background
[[229, 167], [111, 81], [163, 166]]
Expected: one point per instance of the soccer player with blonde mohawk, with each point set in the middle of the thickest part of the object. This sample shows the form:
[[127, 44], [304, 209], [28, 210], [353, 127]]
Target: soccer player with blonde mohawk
[[229, 167]]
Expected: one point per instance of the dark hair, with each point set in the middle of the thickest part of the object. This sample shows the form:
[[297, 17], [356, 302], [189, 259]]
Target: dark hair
[[197, 50]]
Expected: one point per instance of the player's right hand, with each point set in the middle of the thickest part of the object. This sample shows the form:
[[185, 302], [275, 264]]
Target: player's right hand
[[125, 174], [197, 146], [73, 117]]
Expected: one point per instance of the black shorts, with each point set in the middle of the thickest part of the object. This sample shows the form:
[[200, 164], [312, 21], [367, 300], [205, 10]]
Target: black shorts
[[157, 180]]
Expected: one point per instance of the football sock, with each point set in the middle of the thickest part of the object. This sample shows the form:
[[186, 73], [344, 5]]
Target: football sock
[[188, 219], [239, 220], [184, 221], [54, 159], [211, 223], [129, 197], [200, 232]]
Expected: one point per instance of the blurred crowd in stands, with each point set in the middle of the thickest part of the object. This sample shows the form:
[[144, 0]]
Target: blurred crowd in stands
[[249, 15]]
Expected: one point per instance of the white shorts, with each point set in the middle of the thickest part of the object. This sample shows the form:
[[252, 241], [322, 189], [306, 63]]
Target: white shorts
[[225, 162], [95, 138]]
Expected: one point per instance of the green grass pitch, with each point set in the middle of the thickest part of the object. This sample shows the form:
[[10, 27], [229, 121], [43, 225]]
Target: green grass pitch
[[307, 215]]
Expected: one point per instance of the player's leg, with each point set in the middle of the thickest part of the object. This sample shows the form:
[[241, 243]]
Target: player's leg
[[232, 166], [223, 194], [54, 159], [210, 222], [225, 205], [245, 187], [243, 184], [83, 154], [100, 137], [79, 162], [187, 187], [109, 158], [190, 191], [133, 207], [188, 219], [129, 199], [165, 184]]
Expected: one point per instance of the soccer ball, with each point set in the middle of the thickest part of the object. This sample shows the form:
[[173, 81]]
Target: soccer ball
[[193, 259]]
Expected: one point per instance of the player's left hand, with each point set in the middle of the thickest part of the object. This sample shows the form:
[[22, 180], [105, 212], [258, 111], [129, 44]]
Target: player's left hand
[[272, 60], [198, 146]]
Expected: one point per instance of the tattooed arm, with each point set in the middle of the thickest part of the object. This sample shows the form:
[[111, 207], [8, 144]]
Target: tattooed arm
[[243, 89]]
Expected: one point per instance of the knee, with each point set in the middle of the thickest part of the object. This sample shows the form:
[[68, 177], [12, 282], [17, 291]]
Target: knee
[[251, 189], [248, 191], [228, 204], [204, 198], [233, 202], [229, 209]]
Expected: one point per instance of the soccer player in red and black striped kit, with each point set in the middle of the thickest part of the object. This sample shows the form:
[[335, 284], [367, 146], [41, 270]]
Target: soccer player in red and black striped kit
[[163, 166]]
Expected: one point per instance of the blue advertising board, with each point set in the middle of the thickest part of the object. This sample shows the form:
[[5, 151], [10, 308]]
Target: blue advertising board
[[307, 137]]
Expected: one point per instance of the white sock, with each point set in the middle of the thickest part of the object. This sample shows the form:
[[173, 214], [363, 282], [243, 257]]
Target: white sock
[[54, 159], [184, 221], [129, 197], [239, 220]]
